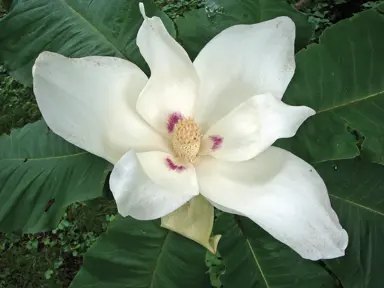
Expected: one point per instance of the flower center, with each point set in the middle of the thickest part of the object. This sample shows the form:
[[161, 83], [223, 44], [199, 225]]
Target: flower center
[[186, 139]]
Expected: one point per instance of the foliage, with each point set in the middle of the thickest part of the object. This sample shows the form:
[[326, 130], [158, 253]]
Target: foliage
[[197, 27], [216, 268], [17, 104], [2, 9], [338, 104], [372, 4], [48, 173], [72, 28], [356, 189], [327, 12], [340, 77], [253, 258], [51, 259], [175, 9], [145, 255]]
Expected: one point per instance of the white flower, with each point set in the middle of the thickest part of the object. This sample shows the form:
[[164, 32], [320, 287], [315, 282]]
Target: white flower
[[197, 128]]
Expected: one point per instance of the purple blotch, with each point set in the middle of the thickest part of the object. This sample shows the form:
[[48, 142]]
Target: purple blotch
[[173, 166], [172, 121], [217, 141]]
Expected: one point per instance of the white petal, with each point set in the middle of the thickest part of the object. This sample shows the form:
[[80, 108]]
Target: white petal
[[281, 193], [151, 185], [243, 61], [90, 102], [252, 127], [172, 87]]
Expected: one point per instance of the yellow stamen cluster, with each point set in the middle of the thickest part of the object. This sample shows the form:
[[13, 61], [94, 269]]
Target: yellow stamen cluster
[[186, 139]]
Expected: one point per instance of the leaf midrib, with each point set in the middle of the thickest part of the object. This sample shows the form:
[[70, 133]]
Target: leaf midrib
[[92, 27], [357, 205], [257, 263], [252, 251], [45, 158], [350, 102]]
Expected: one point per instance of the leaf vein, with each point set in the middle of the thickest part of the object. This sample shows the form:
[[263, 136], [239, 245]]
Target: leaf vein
[[357, 205], [350, 102], [257, 263]]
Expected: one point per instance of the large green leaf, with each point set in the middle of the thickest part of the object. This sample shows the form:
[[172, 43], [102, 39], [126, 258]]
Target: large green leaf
[[342, 78], [356, 190], [254, 259], [73, 28], [141, 254], [40, 174], [197, 27]]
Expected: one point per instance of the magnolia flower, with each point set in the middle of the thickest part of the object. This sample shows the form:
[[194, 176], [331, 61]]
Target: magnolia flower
[[202, 128]]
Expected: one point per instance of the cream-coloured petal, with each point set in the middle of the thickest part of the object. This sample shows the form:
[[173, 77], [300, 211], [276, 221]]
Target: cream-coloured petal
[[194, 220], [151, 185], [252, 127], [243, 61], [281, 193], [90, 102], [172, 87]]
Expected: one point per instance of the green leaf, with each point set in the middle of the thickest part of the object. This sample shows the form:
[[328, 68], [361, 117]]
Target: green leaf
[[141, 254], [41, 174], [74, 28], [342, 78], [197, 27], [356, 190], [254, 259], [48, 274], [380, 8]]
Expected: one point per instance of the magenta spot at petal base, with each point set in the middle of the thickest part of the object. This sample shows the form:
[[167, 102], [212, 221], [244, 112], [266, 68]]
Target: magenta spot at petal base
[[217, 141], [172, 121], [173, 166]]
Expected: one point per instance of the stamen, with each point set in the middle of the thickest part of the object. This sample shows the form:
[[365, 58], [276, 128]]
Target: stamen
[[186, 139]]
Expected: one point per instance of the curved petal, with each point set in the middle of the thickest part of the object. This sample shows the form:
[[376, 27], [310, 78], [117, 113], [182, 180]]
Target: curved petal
[[194, 220], [172, 87], [243, 61], [90, 102], [252, 127], [281, 193], [151, 185]]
